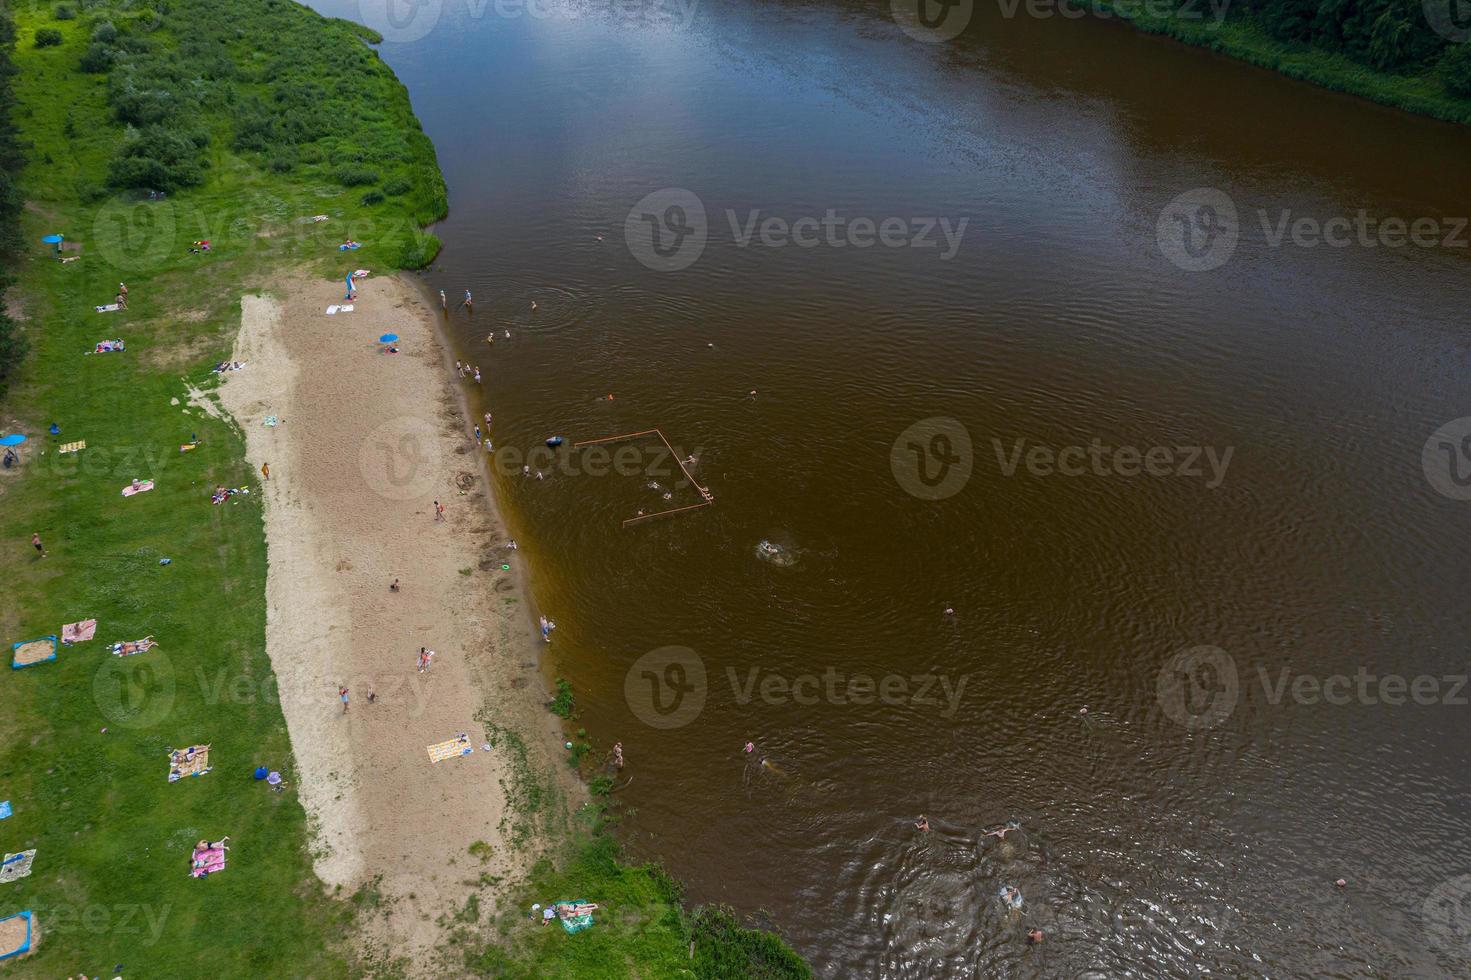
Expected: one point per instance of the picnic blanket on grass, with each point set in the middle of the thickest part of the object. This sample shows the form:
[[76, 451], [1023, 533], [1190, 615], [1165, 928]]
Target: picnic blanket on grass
[[108, 346], [575, 916], [31, 652], [193, 761], [15, 934], [128, 648], [460, 745], [5, 810], [17, 866], [207, 862], [79, 632], [143, 487], [71, 447], [225, 493]]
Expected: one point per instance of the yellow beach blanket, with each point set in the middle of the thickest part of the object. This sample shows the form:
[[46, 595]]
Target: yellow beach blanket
[[460, 745], [71, 447]]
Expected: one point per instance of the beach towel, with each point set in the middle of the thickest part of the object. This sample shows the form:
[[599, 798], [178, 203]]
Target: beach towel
[[224, 366], [130, 647], [15, 935], [185, 447], [78, 632], [5, 810], [143, 487], [193, 761], [17, 866], [207, 862], [336, 308], [575, 916], [319, 217], [220, 496], [108, 346], [32, 652], [110, 307], [270, 421], [72, 447], [360, 273], [458, 746]]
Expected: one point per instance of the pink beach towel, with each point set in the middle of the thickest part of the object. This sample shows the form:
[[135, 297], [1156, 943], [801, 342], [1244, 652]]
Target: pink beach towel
[[79, 632], [143, 487], [208, 862]]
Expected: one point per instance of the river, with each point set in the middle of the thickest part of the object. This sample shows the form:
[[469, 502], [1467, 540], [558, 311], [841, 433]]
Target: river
[[1091, 371]]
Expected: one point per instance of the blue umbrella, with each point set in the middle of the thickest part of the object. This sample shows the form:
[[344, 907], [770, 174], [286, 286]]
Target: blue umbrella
[[51, 239], [14, 440], [388, 338]]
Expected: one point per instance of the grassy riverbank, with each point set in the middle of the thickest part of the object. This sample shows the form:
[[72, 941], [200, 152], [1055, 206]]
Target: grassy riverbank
[[249, 134], [83, 740], [1384, 52]]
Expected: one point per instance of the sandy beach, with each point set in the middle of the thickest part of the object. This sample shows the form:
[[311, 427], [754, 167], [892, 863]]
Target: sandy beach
[[365, 443]]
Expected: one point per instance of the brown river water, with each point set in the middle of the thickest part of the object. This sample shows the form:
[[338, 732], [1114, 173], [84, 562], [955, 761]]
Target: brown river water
[[1119, 350]]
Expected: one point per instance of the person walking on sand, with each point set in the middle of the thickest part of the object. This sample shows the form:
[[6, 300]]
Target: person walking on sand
[[265, 471], [342, 695], [394, 586], [372, 696], [36, 541], [438, 511]]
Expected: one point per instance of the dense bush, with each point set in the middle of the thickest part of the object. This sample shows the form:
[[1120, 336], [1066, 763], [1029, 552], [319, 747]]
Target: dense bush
[[48, 37], [159, 158], [104, 32], [98, 58], [1455, 69], [355, 176], [64, 12], [1389, 35], [397, 186], [373, 197]]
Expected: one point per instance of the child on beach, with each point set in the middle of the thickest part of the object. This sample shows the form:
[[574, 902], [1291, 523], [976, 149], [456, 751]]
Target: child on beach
[[342, 694]]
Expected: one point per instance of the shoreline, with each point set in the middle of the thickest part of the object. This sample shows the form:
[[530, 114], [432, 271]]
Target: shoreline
[[366, 442]]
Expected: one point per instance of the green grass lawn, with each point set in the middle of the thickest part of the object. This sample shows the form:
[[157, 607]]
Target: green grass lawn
[[83, 739]]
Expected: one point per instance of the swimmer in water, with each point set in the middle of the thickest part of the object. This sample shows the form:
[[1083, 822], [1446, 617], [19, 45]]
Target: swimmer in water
[[533, 306], [923, 823], [750, 747], [1001, 832], [689, 460], [1034, 937]]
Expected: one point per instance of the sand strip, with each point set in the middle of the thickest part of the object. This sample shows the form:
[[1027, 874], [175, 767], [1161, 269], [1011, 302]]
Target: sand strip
[[366, 442]]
